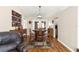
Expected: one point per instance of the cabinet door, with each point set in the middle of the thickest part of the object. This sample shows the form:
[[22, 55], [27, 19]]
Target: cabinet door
[[50, 32]]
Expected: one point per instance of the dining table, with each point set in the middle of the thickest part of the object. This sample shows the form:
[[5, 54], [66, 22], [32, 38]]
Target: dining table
[[39, 34]]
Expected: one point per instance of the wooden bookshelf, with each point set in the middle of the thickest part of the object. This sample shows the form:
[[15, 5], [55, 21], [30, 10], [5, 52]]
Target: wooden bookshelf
[[16, 19]]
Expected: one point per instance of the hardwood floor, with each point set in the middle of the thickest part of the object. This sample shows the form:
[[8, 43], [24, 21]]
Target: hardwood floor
[[56, 46]]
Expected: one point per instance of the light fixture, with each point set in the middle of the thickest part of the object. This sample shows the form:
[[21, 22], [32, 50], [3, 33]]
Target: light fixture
[[39, 14]]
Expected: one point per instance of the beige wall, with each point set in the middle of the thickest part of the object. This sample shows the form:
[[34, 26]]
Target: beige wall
[[5, 17], [78, 29], [67, 27]]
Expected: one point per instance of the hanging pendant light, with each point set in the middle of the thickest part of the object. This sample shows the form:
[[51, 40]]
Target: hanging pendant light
[[39, 14]]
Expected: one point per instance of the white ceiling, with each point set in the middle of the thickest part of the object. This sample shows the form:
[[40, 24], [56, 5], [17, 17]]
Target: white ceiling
[[46, 11]]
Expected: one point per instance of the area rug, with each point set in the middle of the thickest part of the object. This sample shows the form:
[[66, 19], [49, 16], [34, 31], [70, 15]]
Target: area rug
[[38, 44]]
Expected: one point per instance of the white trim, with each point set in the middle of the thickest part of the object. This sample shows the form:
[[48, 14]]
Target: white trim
[[66, 46]]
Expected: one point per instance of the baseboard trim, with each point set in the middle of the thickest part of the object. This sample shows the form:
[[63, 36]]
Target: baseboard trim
[[66, 46]]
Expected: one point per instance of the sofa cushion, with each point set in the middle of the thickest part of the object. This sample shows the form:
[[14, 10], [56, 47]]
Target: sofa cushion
[[7, 47], [9, 40], [9, 37], [4, 39]]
